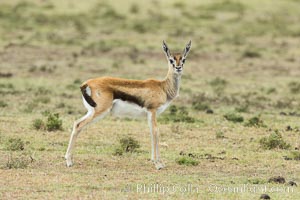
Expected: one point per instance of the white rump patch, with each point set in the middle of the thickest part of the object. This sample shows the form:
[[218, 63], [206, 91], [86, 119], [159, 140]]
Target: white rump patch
[[88, 91], [90, 109], [126, 109]]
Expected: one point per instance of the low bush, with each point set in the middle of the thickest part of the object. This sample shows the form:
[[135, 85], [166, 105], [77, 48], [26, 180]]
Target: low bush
[[53, 122], [220, 134], [178, 114], [293, 155], [126, 145], [18, 162], [188, 161], [15, 144], [200, 106], [38, 124], [233, 117], [255, 122], [274, 140]]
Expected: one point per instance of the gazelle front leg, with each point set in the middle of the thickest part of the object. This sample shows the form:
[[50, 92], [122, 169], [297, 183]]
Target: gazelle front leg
[[155, 155]]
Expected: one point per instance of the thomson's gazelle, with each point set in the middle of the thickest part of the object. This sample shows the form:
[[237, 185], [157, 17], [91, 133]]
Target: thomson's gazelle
[[137, 98]]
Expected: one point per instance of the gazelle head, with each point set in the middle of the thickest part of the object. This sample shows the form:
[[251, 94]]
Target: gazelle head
[[176, 61]]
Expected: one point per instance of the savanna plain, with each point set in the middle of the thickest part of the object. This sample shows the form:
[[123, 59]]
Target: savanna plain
[[233, 133]]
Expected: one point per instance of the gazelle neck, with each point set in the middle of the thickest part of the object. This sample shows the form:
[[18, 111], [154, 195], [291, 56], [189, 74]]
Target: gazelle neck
[[171, 84]]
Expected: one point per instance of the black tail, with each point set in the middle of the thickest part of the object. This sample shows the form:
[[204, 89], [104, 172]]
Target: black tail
[[87, 97]]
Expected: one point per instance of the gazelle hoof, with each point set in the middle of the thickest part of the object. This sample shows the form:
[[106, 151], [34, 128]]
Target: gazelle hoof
[[69, 162], [159, 165]]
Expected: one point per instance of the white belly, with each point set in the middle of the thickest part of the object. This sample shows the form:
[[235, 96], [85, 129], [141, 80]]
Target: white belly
[[126, 109]]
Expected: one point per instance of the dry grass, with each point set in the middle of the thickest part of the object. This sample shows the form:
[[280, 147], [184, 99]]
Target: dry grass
[[244, 60]]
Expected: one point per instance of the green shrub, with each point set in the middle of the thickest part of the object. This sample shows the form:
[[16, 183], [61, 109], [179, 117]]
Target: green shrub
[[61, 105], [7, 85], [38, 124], [3, 104], [274, 140], [20, 162], [294, 87], [271, 90], [139, 27], [255, 122], [134, 8], [30, 107], [126, 145], [223, 6], [129, 144], [251, 53], [200, 106], [234, 117], [256, 181], [242, 108], [178, 114], [77, 81], [43, 100], [15, 144], [294, 155], [53, 122], [184, 160], [118, 151], [42, 91], [220, 134], [218, 84]]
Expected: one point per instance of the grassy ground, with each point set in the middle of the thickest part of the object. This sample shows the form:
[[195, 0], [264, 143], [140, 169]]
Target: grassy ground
[[244, 63]]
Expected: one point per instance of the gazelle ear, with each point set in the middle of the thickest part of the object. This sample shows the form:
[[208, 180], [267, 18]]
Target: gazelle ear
[[187, 49], [166, 49]]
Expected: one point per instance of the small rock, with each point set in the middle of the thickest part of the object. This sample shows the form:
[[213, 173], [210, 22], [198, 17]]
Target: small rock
[[288, 128], [5, 75], [287, 158], [292, 183], [75, 55], [222, 152], [283, 113], [264, 196], [292, 113], [209, 111], [191, 155], [277, 179]]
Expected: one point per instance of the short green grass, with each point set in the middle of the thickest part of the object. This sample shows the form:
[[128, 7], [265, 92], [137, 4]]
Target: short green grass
[[244, 64]]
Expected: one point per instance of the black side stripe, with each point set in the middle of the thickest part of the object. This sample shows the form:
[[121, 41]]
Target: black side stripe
[[128, 97], [87, 97]]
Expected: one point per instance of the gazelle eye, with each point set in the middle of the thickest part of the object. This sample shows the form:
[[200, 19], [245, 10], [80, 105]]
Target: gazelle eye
[[171, 61], [183, 60]]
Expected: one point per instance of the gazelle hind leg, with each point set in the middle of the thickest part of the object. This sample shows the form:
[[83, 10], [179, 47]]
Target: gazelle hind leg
[[92, 115], [77, 127]]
